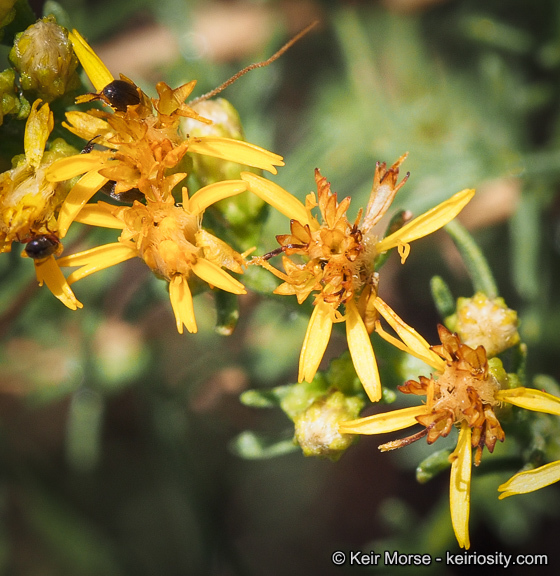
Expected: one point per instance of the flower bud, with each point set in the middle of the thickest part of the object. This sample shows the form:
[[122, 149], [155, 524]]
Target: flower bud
[[7, 13], [225, 124], [225, 120], [9, 101], [316, 429], [488, 322], [45, 60]]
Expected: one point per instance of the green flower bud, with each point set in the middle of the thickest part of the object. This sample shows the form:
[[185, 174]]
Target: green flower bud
[[225, 124], [506, 380], [316, 429], [227, 311], [9, 102], [225, 120], [488, 322], [45, 60], [7, 13], [299, 397]]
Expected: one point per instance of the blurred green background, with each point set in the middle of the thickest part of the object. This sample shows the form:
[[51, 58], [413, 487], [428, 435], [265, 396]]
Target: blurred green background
[[116, 432]]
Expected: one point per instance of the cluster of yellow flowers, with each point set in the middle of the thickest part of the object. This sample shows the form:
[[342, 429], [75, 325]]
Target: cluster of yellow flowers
[[142, 149], [135, 152]]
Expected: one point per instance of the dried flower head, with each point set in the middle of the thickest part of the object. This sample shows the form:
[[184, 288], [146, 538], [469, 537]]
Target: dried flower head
[[464, 392], [335, 260]]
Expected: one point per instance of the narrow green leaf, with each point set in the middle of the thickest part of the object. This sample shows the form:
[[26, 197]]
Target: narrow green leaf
[[442, 296], [253, 446]]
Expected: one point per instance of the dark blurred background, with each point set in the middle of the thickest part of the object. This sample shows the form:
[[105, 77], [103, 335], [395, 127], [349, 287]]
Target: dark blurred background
[[116, 432]]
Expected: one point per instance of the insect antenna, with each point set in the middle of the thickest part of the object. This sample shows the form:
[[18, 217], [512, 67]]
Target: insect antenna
[[262, 64]]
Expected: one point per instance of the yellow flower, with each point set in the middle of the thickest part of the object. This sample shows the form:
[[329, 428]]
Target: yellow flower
[[170, 240], [29, 203], [464, 393], [141, 140], [339, 261]]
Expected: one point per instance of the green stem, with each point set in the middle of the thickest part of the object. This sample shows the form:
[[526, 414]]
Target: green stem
[[481, 275]]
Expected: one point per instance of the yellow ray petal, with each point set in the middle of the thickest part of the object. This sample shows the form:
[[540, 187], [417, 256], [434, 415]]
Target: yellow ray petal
[[460, 486], [87, 127], [96, 215], [67, 168], [39, 125], [531, 480], [95, 69], [384, 422], [238, 151], [398, 344], [213, 193], [182, 304], [277, 197], [96, 259], [362, 353], [428, 222], [81, 192], [315, 342], [215, 276], [49, 273], [531, 399], [418, 347]]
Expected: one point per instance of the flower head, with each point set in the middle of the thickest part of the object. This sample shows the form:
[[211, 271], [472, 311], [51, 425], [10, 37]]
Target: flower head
[[488, 322], [29, 203], [170, 240], [464, 392], [336, 261]]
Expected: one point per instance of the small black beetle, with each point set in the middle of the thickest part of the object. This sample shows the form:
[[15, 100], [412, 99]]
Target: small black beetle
[[119, 94], [42, 246], [128, 196]]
